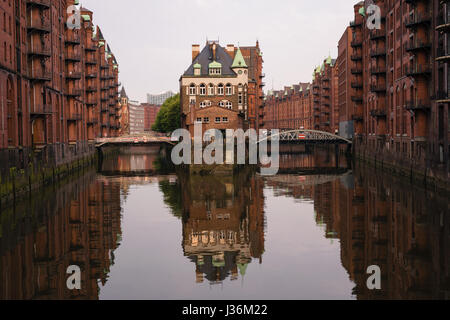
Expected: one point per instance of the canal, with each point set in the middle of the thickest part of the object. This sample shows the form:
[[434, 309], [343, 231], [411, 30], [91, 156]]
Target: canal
[[138, 229]]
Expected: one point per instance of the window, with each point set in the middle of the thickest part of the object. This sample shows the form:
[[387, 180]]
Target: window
[[215, 71], [220, 90], [199, 120], [203, 104], [225, 119], [240, 98], [229, 90], [229, 105], [211, 89], [206, 120], [221, 104], [202, 90], [217, 119], [192, 90]]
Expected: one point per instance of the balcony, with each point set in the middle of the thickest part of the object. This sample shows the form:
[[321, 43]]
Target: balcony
[[378, 88], [104, 108], [378, 113], [91, 89], [92, 122], [357, 85], [356, 57], [356, 71], [43, 4], [37, 51], [419, 18], [442, 97], [72, 39], [378, 52], [73, 57], [91, 47], [262, 75], [91, 75], [418, 70], [378, 34], [356, 43], [41, 110], [378, 71], [38, 75], [418, 105], [357, 99], [443, 23], [418, 45], [443, 55], [91, 61], [40, 26], [72, 75], [357, 117], [74, 117], [74, 92]]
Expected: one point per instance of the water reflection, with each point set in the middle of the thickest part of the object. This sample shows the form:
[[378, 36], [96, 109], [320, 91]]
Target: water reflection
[[224, 224], [76, 223]]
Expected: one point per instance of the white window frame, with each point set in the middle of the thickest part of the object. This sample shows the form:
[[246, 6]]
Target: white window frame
[[225, 119], [229, 105], [192, 90], [211, 90], [220, 120], [220, 90], [229, 89], [203, 89]]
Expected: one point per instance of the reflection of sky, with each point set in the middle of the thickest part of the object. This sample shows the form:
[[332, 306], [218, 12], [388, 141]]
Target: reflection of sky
[[298, 263]]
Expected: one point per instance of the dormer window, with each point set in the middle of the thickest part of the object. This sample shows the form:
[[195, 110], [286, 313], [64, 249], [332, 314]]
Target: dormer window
[[215, 68], [215, 71], [197, 69]]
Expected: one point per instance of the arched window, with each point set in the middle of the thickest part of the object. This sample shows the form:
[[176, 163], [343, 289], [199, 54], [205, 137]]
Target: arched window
[[229, 90], [220, 89], [211, 89], [192, 90], [203, 89]]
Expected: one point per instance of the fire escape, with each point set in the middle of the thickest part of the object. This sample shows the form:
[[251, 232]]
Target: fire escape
[[357, 75], [378, 75], [38, 30], [420, 68]]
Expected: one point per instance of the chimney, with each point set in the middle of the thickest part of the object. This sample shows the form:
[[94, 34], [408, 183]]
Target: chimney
[[230, 50], [195, 51]]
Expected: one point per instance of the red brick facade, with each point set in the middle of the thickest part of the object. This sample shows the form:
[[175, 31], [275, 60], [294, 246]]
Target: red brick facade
[[59, 87], [150, 114], [388, 88]]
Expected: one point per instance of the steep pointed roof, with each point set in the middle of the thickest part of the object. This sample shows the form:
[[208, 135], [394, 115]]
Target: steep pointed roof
[[123, 94], [205, 58], [239, 61]]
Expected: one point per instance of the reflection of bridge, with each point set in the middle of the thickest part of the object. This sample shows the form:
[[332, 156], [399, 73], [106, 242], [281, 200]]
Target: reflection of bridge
[[306, 180], [308, 136], [132, 140]]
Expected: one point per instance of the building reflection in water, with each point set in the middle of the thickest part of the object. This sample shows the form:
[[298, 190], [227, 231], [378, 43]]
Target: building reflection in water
[[77, 223], [381, 220], [377, 218], [223, 224]]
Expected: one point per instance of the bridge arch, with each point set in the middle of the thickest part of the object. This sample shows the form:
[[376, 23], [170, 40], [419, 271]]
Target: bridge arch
[[303, 135]]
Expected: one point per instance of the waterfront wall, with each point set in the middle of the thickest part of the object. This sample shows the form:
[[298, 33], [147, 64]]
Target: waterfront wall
[[24, 170]]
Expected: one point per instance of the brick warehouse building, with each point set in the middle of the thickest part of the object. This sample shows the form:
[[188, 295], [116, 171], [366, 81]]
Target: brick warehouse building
[[222, 88], [59, 87], [391, 88], [401, 106]]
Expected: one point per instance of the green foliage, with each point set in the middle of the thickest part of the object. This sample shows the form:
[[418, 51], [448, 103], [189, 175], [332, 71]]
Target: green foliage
[[169, 117]]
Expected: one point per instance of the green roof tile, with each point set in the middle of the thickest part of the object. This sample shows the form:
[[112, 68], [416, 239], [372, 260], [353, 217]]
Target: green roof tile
[[239, 61]]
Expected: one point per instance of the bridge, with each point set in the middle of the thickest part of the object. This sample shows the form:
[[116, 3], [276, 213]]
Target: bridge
[[308, 136], [133, 140]]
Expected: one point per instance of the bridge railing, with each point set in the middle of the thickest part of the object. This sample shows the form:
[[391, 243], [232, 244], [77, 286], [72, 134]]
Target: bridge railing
[[307, 135]]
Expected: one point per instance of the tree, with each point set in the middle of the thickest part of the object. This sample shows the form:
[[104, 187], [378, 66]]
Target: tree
[[169, 117]]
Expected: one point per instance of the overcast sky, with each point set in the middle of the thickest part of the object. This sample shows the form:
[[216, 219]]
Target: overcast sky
[[152, 38]]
